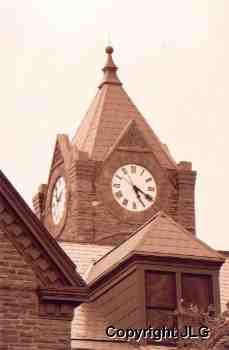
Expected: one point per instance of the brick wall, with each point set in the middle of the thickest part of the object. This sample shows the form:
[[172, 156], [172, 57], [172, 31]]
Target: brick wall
[[21, 327], [18, 300], [186, 200], [54, 334]]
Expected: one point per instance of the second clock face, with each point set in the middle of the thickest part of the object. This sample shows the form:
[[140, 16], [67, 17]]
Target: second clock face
[[58, 200], [134, 187]]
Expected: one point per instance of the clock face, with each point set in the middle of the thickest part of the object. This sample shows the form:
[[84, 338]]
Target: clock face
[[134, 187], [58, 200]]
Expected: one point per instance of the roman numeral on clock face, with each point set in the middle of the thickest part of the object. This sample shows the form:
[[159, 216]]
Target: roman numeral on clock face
[[116, 185], [119, 194], [125, 201], [133, 169], [124, 170]]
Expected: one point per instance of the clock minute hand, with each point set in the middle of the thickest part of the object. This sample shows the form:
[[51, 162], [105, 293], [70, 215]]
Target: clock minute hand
[[127, 180], [130, 180], [146, 195], [55, 195], [138, 196]]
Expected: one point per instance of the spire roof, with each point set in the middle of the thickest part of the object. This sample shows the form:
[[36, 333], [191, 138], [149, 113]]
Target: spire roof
[[109, 114]]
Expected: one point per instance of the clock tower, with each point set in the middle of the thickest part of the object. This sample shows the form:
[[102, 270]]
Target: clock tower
[[114, 175]]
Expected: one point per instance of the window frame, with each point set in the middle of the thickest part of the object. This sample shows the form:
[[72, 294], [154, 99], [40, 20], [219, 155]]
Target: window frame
[[178, 269]]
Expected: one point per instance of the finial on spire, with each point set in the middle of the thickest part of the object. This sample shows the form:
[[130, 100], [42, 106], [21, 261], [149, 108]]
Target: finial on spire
[[110, 69], [109, 50]]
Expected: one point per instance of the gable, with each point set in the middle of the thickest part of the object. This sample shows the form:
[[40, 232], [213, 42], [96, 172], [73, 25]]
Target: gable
[[50, 264], [133, 138], [61, 152], [57, 156]]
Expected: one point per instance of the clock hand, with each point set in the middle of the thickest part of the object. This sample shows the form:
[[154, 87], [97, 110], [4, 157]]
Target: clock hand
[[140, 200], [130, 180], [146, 195], [55, 195], [127, 180], [138, 195], [60, 194], [137, 190]]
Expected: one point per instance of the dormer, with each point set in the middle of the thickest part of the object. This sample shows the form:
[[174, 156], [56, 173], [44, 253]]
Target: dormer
[[141, 282]]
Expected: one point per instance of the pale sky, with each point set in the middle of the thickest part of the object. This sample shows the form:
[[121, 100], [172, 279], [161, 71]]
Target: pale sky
[[173, 58]]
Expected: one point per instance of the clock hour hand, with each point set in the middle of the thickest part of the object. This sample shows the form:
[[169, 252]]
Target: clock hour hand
[[55, 194], [140, 200], [60, 194], [146, 195], [138, 195]]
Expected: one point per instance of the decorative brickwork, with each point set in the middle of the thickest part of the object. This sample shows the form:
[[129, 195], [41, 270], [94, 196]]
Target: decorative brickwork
[[19, 235], [39, 201], [22, 326], [39, 287]]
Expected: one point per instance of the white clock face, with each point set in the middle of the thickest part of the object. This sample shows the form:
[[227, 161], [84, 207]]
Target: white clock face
[[134, 187], [58, 200]]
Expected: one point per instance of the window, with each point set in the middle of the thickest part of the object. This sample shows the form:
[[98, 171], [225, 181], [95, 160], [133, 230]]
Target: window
[[161, 299], [164, 290], [197, 290]]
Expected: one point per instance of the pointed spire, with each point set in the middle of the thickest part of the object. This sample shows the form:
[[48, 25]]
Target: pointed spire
[[109, 114], [110, 69]]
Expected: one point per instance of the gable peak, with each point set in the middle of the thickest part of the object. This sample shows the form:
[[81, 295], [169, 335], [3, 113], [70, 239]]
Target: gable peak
[[110, 70]]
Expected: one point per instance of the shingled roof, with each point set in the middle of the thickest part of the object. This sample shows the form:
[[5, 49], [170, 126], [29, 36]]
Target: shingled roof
[[107, 117], [160, 236]]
